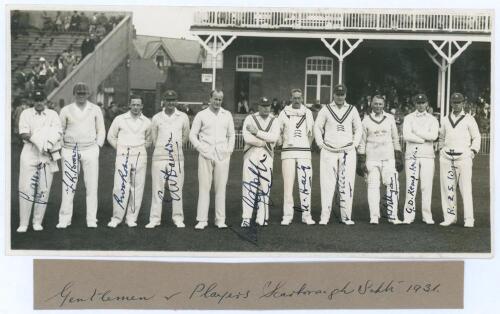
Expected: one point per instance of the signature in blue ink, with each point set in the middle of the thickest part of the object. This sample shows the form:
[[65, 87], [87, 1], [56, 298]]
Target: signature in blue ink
[[70, 173], [170, 175], [123, 173], [38, 196]]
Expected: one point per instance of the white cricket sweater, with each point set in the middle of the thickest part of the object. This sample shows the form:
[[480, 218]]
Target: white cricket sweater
[[82, 127], [296, 129], [459, 134], [380, 137], [338, 128]]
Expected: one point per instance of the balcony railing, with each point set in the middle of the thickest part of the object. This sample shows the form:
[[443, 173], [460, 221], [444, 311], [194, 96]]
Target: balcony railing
[[332, 19]]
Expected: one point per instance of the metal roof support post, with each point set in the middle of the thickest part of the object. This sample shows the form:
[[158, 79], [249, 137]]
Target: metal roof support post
[[442, 66], [214, 51], [340, 54]]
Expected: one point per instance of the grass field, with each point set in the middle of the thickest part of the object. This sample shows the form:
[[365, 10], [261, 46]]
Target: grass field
[[335, 237]]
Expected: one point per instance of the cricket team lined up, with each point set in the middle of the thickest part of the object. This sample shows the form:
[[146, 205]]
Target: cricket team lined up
[[349, 146]]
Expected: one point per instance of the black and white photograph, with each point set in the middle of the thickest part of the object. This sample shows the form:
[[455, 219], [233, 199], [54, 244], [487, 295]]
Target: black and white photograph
[[177, 131]]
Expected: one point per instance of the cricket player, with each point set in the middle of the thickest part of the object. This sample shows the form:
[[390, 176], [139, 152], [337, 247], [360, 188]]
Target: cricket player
[[130, 135], [420, 130], [40, 130], [296, 131], [83, 134], [337, 131], [260, 132], [380, 157], [170, 130], [459, 142], [212, 134]]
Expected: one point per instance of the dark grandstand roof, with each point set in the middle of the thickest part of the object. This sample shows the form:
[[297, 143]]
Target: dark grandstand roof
[[178, 50], [145, 74]]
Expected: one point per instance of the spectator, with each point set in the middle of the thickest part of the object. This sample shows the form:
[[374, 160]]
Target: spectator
[[60, 70], [275, 107], [42, 70], [483, 117], [100, 32], [67, 23], [75, 22], [88, 45], [68, 60], [242, 103], [93, 23], [102, 20], [59, 23], [51, 84], [84, 23]]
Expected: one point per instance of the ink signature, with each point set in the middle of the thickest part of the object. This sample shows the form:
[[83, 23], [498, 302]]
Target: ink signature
[[451, 187], [123, 173], [70, 174], [170, 174], [38, 197], [304, 186], [391, 193], [412, 188]]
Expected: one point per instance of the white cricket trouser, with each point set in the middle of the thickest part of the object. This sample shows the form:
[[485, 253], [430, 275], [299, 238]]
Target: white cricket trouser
[[257, 181], [419, 169], [130, 177], [35, 181], [167, 175], [341, 168], [385, 170], [304, 180], [217, 170], [453, 172], [72, 160]]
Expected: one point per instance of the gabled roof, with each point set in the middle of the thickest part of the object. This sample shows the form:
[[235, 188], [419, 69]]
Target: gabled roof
[[178, 50], [146, 74]]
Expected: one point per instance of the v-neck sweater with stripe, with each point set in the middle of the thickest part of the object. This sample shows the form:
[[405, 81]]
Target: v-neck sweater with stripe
[[338, 127], [83, 127], [380, 137], [459, 134]]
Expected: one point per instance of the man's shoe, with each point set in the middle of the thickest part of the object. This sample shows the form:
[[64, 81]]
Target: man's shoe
[[285, 222], [113, 224], [22, 229], [132, 224], [221, 225], [245, 223], [407, 222], [201, 225], [469, 224], [446, 223], [179, 224], [348, 222], [151, 225], [308, 220], [37, 227], [62, 225], [265, 223], [374, 221], [429, 222], [395, 221], [92, 225], [323, 222]]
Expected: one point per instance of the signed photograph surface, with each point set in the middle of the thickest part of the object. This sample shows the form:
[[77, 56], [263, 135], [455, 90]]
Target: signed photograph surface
[[253, 130]]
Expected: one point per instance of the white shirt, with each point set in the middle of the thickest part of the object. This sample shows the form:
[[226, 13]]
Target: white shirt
[[84, 127], [338, 127], [30, 122], [213, 134], [267, 134], [420, 130], [380, 137], [128, 132], [169, 133], [459, 134]]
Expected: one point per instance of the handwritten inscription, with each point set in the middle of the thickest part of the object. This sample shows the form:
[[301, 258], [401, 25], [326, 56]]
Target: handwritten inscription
[[170, 174], [257, 190], [412, 187], [216, 293], [123, 174], [70, 171], [305, 183], [37, 195], [451, 179], [391, 197]]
